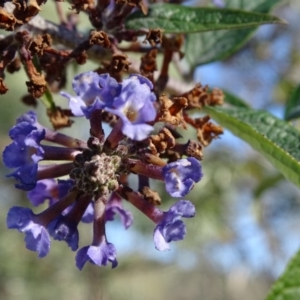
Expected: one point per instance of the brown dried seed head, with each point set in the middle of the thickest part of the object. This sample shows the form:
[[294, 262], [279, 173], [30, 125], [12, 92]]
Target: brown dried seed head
[[58, 118], [26, 10], [194, 149], [148, 64], [7, 20], [119, 63], [200, 96], [197, 97], [207, 131], [151, 196], [161, 142], [35, 90], [99, 38], [82, 5], [154, 37], [39, 44], [171, 110], [216, 97]]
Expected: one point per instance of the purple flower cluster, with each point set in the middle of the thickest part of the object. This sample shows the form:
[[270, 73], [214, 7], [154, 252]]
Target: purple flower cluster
[[24, 153], [95, 190]]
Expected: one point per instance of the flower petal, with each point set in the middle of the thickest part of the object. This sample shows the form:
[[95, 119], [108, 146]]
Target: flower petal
[[36, 236]]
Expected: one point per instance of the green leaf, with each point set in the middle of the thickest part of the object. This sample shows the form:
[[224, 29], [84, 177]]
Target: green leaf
[[174, 18], [292, 110], [287, 287], [234, 100], [202, 48], [275, 139]]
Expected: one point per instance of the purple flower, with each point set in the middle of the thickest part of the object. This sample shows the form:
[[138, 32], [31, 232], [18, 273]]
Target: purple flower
[[93, 91], [135, 107], [99, 255], [63, 229], [49, 189], [113, 207], [64, 226], [36, 236], [88, 215], [100, 252], [29, 117], [171, 228], [52, 190], [24, 153], [181, 175]]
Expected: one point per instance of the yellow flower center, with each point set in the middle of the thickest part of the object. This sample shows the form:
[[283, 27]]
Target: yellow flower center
[[131, 114]]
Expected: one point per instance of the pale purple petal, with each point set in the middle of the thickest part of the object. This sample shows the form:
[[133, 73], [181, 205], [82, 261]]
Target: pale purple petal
[[62, 229], [182, 208], [49, 189], [181, 175], [88, 215], [29, 117], [98, 255], [36, 236], [97, 104], [114, 206], [37, 239], [93, 92], [75, 104], [26, 176], [159, 241], [135, 107], [175, 231], [42, 191], [171, 227]]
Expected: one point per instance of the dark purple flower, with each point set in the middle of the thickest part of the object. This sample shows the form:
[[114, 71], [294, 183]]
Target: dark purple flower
[[63, 229], [49, 189], [135, 107], [36, 236], [181, 175], [93, 91], [171, 227], [113, 207], [99, 255], [24, 153]]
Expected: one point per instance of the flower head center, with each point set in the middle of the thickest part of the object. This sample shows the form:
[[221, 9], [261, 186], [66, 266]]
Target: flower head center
[[96, 173], [131, 114]]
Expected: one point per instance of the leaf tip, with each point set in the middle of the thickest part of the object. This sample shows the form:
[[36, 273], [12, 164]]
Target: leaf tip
[[282, 21]]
